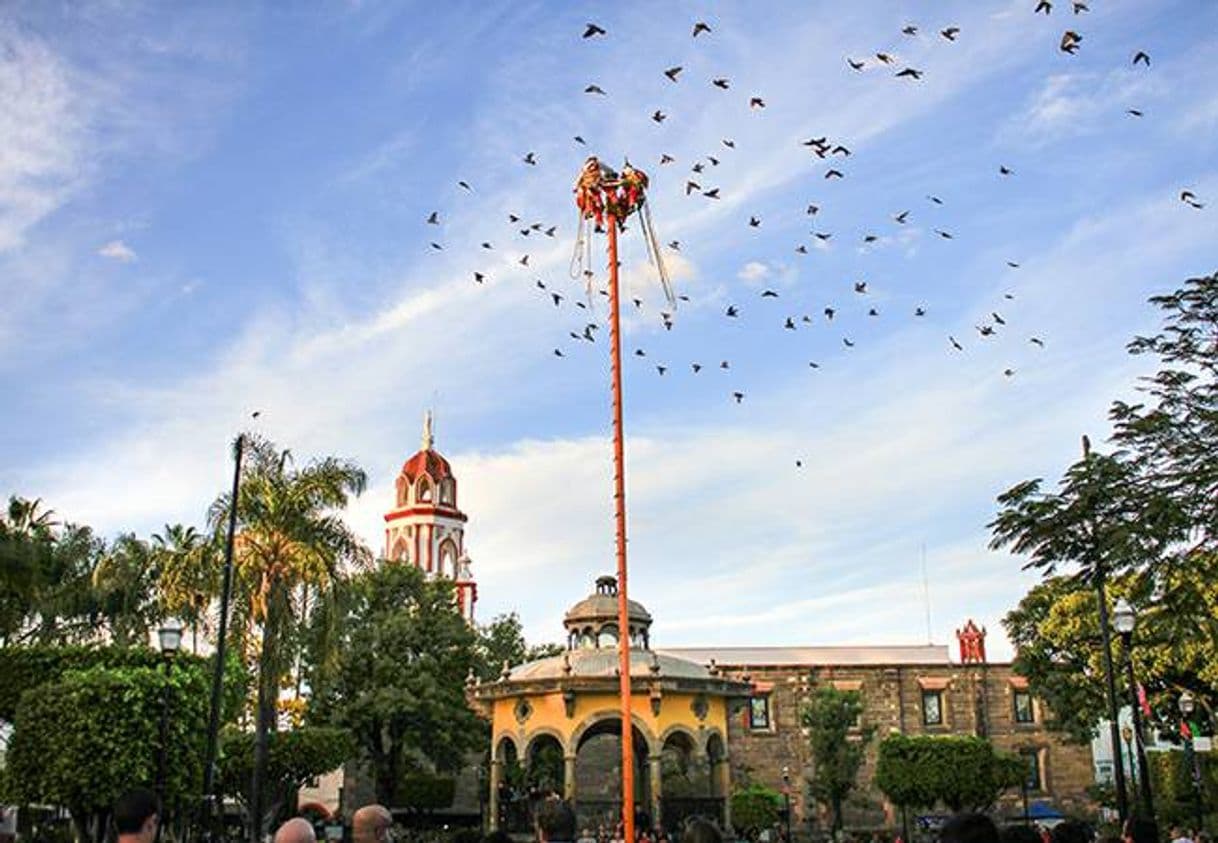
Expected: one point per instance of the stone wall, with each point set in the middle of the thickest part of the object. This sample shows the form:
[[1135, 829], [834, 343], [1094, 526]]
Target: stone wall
[[977, 700]]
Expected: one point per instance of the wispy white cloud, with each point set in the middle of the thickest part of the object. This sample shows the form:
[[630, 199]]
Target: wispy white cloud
[[117, 250]]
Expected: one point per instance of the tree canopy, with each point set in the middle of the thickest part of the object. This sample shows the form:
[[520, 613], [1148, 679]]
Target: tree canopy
[[1143, 517], [397, 680], [960, 772], [838, 742]]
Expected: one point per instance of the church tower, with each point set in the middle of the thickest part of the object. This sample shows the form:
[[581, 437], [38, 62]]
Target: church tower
[[425, 528]]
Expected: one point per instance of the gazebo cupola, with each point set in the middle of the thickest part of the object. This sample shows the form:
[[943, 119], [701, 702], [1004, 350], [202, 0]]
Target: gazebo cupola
[[592, 623]]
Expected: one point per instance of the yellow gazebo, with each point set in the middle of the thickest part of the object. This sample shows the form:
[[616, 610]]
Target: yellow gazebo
[[567, 705]]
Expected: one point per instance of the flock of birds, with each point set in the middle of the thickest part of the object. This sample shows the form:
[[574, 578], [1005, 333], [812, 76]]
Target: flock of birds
[[835, 152]]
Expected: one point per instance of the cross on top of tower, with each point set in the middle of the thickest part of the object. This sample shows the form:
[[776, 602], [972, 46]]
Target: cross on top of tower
[[428, 439]]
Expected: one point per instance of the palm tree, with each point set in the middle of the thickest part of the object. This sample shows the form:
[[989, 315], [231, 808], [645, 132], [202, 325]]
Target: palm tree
[[190, 576], [125, 588], [290, 538]]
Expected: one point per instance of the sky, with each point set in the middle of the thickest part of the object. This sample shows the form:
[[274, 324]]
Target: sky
[[213, 209]]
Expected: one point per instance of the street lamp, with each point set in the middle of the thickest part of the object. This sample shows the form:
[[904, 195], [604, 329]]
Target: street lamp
[[1123, 621], [786, 792], [1188, 704], [170, 638]]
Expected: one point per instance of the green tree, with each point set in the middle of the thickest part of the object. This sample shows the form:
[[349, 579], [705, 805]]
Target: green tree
[[291, 540], [960, 772], [755, 807], [838, 743], [190, 575], [397, 681], [125, 591], [294, 758], [84, 739], [45, 573], [502, 642]]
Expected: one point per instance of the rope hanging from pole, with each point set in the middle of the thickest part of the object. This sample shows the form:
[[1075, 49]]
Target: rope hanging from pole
[[601, 192]]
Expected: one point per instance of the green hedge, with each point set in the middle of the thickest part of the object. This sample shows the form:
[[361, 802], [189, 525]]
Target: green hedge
[[423, 792], [755, 807]]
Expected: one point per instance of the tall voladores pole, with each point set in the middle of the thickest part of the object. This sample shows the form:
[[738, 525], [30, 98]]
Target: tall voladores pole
[[608, 198]]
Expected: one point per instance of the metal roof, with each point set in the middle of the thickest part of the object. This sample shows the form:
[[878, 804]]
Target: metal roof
[[931, 654]]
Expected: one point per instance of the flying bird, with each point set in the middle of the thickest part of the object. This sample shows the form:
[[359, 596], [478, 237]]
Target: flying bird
[[1043, 6], [594, 89], [464, 184], [578, 139], [434, 218], [437, 247], [593, 29], [950, 33], [721, 83], [530, 159], [1070, 42], [834, 174], [910, 73], [1133, 112], [944, 234], [479, 277], [754, 222], [558, 353], [901, 217], [860, 287], [955, 344], [769, 294], [846, 342], [713, 193], [910, 30], [699, 28], [1190, 198], [854, 64], [1004, 170], [739, 396], [659, 116], [732, 311], [829, 313], [673, 72], [884, 57], [729, 143], [756, 102], [1141, 56], [1037, 341]]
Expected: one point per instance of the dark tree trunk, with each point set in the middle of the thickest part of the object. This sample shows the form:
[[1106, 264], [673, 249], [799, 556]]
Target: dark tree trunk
[[268, 687]]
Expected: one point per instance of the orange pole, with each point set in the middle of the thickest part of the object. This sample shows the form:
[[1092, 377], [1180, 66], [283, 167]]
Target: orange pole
[[619, 507]]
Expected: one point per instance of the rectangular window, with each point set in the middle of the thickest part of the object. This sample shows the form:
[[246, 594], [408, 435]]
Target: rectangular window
[[1023, 707], [932, 708], [1032, 758], [759, 713]]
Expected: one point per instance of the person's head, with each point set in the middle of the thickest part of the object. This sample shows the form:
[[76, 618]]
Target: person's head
[[700, 830], [1141, 830], [555, 821], [969, 828], [1071, 831], [372, 824], [1019, 834], [136, 815], [296, 830]]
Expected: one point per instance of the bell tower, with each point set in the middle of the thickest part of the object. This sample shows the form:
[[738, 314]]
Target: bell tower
[[425, 528]]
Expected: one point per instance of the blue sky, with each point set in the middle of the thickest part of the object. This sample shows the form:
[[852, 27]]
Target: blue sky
[[212, 210]]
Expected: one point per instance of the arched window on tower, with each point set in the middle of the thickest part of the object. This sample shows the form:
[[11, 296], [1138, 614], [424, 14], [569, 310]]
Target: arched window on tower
[[607, 637], [400, 551], [403, 491], [448, 560], [423, 491], [447, 492]]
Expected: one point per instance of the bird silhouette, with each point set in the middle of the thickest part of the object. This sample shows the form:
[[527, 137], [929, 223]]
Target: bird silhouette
[[834, 174], [592, 29], [909, 30], [665, 158], [855, 65], [754, 222], [721, 83], [955, 344], [769, 294], [713, 193], [1070, 42], [673, 72], [950, 32], [909, 73], [1043, 6], [699, 28], [846, 342], [594, 89], [1190, 198], [530, 159], [1142, 57], [659, 116], [1037, 341], [756, 102], [434, 218], [739, 396], [901, 217]]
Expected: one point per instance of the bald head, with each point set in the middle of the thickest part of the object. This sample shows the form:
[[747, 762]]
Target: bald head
[[296, 830], [371, 824]]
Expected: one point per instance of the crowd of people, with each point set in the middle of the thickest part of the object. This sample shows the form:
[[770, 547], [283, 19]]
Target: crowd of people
[[136, 819]]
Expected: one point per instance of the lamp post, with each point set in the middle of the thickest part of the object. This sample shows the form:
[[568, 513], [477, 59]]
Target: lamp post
[[1188, 704], [786, 793], [1123, 621], [1118, 766], [1127, 736], [170, 638]]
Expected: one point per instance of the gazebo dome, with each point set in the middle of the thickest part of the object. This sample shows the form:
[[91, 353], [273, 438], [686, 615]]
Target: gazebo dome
[[427, 462], [592, 623]]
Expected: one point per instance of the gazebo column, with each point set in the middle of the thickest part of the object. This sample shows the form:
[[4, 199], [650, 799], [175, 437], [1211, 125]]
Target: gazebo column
[[493, 800], [568, 778], [656, 782], [722, 774]]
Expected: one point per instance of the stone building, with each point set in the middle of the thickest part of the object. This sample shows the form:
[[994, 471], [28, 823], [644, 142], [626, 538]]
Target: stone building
[[914, 690]]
